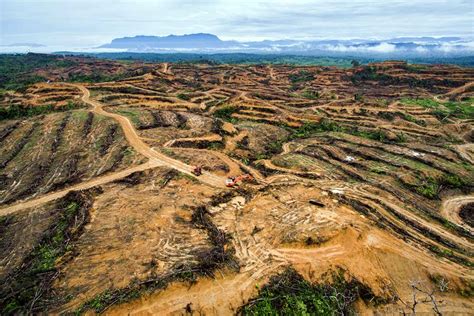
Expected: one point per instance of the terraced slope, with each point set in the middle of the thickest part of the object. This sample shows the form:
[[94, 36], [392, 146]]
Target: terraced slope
[[366, 172]]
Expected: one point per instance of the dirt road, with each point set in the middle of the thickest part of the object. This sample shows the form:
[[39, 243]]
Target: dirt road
[[155, 159], [141, 147], [451, 207], [166, 68], [81, 186]]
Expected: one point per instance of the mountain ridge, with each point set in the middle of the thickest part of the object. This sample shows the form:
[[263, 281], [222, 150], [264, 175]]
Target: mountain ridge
[[208, 43]]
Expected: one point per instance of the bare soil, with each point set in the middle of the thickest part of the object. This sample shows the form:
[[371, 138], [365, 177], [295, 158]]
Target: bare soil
[[350, 173]]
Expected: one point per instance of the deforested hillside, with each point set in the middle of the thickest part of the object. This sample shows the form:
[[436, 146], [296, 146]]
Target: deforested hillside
[[237, 189]]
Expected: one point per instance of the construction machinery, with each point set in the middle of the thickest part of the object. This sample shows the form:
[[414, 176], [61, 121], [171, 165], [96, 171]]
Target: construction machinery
[[197, 171], [232, 181]]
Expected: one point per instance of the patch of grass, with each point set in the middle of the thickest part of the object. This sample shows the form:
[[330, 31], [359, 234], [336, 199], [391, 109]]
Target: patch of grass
[[182, 175], [447, 253], [275, 147], [4, 220], [310, 129], [468, 289], [290, 294], [183, 96], [136, 289], [443, 110], [426, 103], [301, 76], [378, 135], [358, 97], [215, 145], [401, 138], [368, 73], [310, 94], [225, 113], [81, 115], [103, 300], [168, 152], [415, 68], [96, 77], [388, 116], [428, 188], [453, 180], [378, 170], [133, 115]]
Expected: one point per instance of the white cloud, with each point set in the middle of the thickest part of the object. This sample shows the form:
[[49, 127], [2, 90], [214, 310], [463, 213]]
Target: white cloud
[[383, 48], [93, 22], [380, 48], [421, 50]]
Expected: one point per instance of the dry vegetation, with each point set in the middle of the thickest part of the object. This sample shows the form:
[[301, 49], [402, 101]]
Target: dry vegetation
[[362, 199]]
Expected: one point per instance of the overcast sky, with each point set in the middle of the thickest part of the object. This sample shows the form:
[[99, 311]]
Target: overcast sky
[[93, 22]]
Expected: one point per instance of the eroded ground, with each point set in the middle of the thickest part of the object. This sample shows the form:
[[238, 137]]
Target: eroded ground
[[367, 170]]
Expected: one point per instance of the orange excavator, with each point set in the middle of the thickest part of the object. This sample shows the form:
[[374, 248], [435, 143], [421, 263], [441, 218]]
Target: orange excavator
[[232, 181]]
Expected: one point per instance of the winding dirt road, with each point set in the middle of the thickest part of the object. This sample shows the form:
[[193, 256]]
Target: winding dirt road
[[451, 207], [155, 159], [141, 147], [81, 186]]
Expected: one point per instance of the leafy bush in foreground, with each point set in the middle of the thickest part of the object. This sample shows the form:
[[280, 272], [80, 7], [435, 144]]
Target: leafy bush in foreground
[[290, 294]]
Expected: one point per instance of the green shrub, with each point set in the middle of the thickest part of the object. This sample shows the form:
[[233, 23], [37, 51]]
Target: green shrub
[[183, 96], [310, 94], [301, 76], [358, 97], [290, 294], [378, 135], [225, 113], [310, 128], [461, 110], [453, 180], [428, 188], [96, 77]]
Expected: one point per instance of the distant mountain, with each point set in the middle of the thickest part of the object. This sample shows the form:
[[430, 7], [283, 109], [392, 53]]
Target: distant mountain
[[209, 43], [32, 45], [188, 41]]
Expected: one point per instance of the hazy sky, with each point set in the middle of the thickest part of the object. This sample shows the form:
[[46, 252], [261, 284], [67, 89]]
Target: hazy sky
[[93, 22]]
